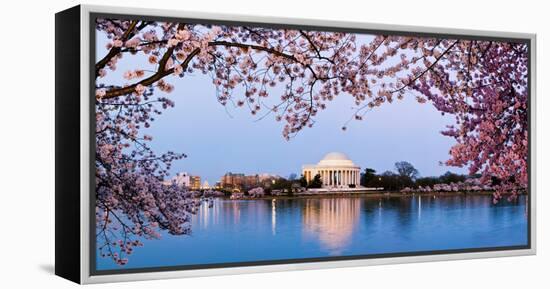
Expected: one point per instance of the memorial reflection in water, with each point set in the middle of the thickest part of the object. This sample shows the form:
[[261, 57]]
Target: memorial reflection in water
[[290, 228], [332, 221]]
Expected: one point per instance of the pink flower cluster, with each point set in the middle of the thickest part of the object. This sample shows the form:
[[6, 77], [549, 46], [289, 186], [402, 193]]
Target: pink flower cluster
[[256, 192]]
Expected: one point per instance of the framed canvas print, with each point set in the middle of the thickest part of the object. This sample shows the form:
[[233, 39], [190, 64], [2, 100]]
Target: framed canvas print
[[192, 144]]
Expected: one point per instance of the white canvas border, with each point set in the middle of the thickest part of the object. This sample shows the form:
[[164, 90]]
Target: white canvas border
[[85, 161]]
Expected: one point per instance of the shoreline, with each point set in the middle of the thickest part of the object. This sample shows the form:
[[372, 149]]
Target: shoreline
[[392, 194]]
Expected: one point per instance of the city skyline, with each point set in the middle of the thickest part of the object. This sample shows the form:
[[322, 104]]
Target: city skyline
[[297, 173]]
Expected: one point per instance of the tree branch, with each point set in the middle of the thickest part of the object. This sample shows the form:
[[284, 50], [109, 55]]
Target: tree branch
[[427, 69], [116, 50], [161, 72], [317, 51]]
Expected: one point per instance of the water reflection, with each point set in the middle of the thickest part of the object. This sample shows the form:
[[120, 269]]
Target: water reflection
[[273, 216], [332, 221], [419, 208], [256, 230]]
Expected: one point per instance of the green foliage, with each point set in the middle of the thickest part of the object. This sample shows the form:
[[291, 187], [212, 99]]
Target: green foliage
[[449, 177], [303, 181], [406, 169], [394, 182], [406, 176], [427, 181], [316, 183], [225, 192], [368, 177], [281, 184]]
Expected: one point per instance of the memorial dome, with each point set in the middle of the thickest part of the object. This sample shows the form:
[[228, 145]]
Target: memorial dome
[[336, 159]]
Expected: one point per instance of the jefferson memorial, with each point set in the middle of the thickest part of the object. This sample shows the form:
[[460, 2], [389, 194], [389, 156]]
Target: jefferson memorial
[[336, 171]]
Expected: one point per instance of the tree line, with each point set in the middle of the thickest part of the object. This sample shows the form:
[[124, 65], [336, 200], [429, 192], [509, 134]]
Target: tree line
[[406, 176]]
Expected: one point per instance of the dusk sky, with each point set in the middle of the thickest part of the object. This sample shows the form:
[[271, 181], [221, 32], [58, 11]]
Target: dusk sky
[[220, 139]]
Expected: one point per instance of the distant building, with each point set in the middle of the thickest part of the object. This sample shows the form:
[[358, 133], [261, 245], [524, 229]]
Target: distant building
[[335, 169], [239, 181], [230, 180], [195, 182], [205, 185]]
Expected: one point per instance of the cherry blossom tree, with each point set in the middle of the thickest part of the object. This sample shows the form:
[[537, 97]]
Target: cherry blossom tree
[[482, 83], [485, 86]]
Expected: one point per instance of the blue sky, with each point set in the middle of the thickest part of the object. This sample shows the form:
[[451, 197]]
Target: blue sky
[[220, 139]]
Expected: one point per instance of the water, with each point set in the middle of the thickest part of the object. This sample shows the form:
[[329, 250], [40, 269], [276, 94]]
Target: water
[[258, 230]]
